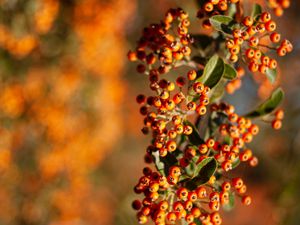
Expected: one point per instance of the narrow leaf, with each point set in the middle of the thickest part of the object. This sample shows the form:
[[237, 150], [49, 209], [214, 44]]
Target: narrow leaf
[[204, 175], [203, 163], [213, 71], [158, 164], [269, 105], [194, 137], [271, 75], [229, 72], [257, 10], [218, 91], [230, 205], [222, 23]]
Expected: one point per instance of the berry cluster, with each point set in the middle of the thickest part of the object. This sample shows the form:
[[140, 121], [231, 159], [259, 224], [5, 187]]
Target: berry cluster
[[180, 203], [166, 111], [246, 41], [278, 6], [196, 139], [162, 45], [212, 8], [239, 132], [277, 121]]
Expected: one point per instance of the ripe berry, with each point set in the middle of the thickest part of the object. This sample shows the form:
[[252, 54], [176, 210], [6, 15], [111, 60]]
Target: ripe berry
[[246, 200], [192, 75], [276, 124], [237, 182], [275, 37], [279, 114], [182, 193], [270, 26]]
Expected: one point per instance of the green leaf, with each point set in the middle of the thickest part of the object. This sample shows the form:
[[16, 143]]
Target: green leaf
[[235, 163], [229, 72], [197, 221], [232, 10], [269, 105], [222, 23], [256, 10], [160, 166], [213, 71], [190, 169], [194, 137], [230, 205], [218, 91], [271, 75], [200, 165], [205, 173]]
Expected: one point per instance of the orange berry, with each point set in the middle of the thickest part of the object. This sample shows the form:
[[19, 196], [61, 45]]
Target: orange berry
[[242, 190], [275, 37], [215, 206], [192, 75], [208, 7], [203, 148], [253, 41], [226, 186], [196, 212], [262, 69], [246, 200], [233, 58], [265, 17], [182, 193], [253, 67], [222, 5], [278, 11], [201, 192], [235, 50], [198, 87], [172, 179], [171, 217], [279, 114], [248, 21], [276, 124], [192, 196], [270, 26], [237, 182], [245, 155], [178, 207], [226, 165], [210, 143], [171, 146], [281, 51], [257, 54], [250, 53], [253, 161], [253, 129], [142, 219], [189, 218], [188, 205], [201, 110], [273, 64], [174, 171], [163, 205], [229, 43]]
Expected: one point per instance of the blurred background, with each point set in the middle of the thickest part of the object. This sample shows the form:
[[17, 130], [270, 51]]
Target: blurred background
[[70, 142]]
